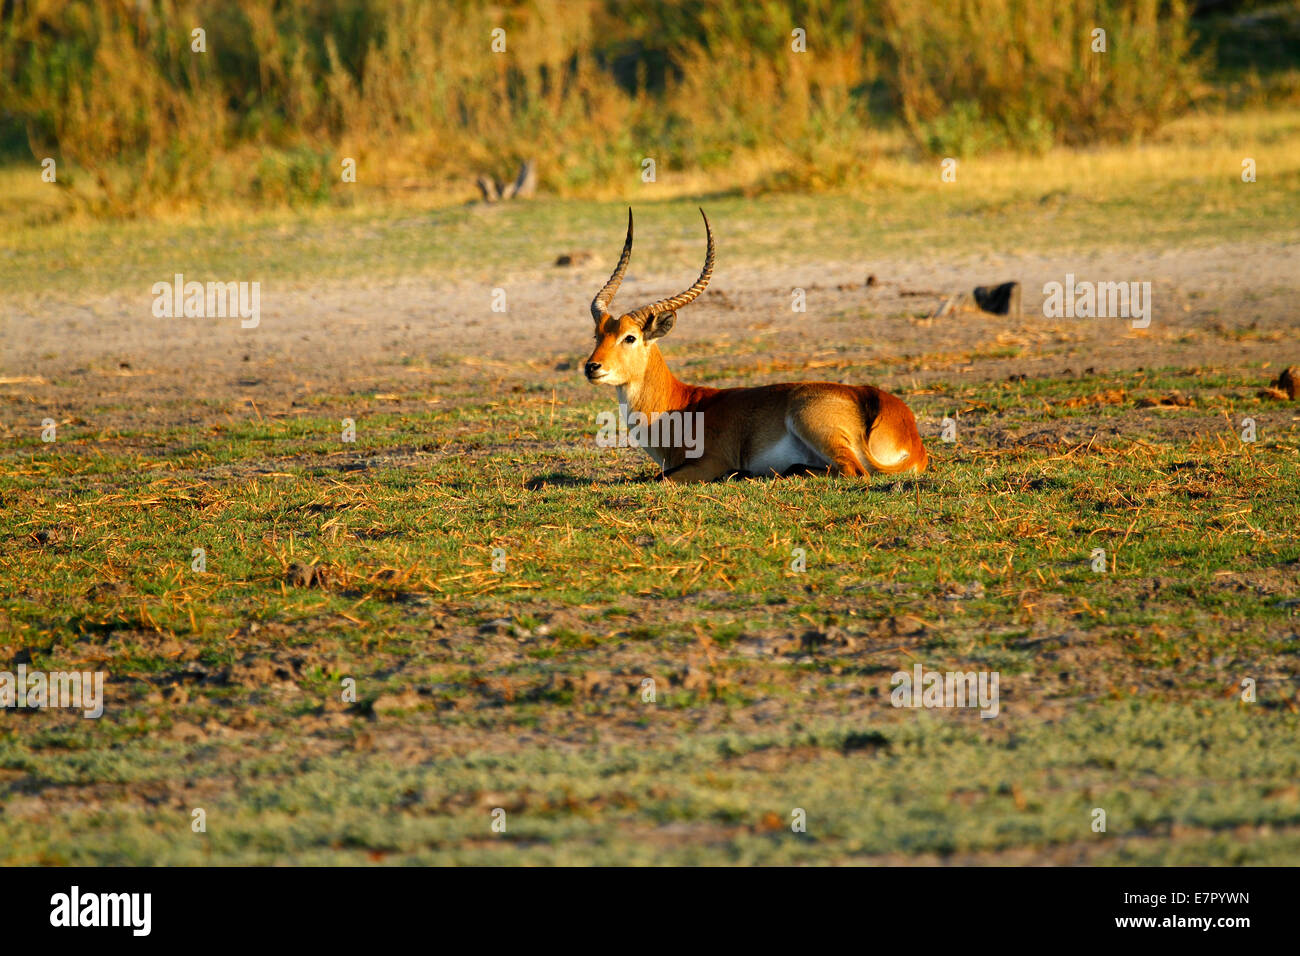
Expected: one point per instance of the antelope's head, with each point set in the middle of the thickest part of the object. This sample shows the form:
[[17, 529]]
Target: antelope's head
[[623, 342]]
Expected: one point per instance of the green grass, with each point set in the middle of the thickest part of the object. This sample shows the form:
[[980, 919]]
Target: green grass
[[1178, 784], [521, 689]]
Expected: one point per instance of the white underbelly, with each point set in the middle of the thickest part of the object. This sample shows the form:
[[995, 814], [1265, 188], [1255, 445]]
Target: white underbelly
[[786, 453]]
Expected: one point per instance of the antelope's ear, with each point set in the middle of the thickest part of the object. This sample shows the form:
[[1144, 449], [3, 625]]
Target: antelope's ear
[[659, 325]]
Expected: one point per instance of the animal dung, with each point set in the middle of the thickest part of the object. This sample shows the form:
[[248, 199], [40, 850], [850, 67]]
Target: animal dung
[[1289, 381], [1174, 399], [1001, 299], [1285, 386], [300, 575]]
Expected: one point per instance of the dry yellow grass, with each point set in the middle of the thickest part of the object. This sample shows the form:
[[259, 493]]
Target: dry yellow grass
[[1196, 146], [425, 95]]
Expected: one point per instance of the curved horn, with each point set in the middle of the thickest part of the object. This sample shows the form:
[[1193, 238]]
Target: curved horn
[[600, 304], [675, 302]]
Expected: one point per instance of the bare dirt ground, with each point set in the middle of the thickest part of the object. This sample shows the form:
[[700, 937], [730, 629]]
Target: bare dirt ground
[[108, 357]]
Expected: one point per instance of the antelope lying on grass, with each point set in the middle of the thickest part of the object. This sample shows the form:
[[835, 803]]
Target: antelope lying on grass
[[847, 429]]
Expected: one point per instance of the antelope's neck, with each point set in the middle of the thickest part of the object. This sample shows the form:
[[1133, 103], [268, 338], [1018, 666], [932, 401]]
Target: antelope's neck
[[658, 391]]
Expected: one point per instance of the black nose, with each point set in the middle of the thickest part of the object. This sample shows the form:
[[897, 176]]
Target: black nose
[[592, 368]]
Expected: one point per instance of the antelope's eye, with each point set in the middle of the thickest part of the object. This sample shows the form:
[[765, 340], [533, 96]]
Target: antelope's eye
[[630, 340]]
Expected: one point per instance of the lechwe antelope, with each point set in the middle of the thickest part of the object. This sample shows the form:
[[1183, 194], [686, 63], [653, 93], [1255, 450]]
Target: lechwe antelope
[[769, 429]]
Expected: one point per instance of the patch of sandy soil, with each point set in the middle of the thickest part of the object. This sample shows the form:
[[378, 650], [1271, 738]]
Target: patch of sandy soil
[[107, 360]]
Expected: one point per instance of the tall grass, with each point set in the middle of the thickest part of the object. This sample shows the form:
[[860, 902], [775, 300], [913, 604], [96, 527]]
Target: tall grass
[[111, 91], [1017, 73], [413, 92]]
